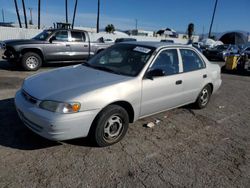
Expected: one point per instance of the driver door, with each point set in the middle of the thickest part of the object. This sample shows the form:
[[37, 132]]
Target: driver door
[[164, 91], [59, 49]]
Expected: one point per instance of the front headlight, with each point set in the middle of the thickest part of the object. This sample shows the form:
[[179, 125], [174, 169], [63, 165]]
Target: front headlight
[[60, 107]]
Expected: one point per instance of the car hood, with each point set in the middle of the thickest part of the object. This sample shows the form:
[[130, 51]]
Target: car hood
[[22, 41], [68, 83]]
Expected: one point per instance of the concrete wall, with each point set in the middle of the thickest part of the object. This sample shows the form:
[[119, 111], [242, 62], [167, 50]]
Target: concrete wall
[[7, 33]]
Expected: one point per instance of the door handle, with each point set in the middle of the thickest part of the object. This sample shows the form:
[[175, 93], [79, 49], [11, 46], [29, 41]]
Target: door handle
[[67, 45], [178, 82], [204, 76]]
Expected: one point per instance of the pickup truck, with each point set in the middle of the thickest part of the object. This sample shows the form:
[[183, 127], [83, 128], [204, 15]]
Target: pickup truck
[[51, 46]]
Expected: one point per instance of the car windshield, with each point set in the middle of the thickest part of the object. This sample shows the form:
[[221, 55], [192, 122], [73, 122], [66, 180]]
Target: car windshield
[[124, 59], [43, 35]]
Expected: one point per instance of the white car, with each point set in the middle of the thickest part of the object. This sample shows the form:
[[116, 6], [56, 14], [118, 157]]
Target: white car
[[118, 86]]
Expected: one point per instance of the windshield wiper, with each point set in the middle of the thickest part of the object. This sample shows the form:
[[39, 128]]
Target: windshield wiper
[[105, 69], [86, 64]]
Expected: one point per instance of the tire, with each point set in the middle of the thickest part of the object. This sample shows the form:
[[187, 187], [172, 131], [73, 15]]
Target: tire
[[110, 126], [31, 61], [204, 97]]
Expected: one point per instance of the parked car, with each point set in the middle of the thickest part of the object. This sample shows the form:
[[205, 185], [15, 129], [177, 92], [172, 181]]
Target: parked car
[[52, 46], [124, 40], [220, 52], [246, 51], [118, 86]]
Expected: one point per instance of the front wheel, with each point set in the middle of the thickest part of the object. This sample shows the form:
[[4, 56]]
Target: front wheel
[[203, 97], [31, 61], [110, 126]]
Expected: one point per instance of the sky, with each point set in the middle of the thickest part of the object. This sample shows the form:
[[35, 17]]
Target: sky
[[150, 14]]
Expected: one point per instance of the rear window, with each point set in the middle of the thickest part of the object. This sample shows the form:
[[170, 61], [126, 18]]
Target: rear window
[[191, 60], [77, 36]]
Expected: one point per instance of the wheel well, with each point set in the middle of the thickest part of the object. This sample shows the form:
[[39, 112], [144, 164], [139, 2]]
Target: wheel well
[[128, 107], [39, 52], [211, 86], [98, 51]]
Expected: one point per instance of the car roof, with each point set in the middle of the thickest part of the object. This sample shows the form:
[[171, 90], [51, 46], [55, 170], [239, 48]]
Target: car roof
[[157, 45], [64, 30]]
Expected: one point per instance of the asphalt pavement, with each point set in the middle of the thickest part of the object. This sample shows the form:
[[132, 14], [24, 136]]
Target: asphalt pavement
[[187, 148]]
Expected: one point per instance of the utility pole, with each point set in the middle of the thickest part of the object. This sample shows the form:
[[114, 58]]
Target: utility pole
[[73, 22], [18, 16], [98, 16], [136, 24], [66, 10], [212, 21], [39, 9], [24, 12], [3, 15], [31, 20]]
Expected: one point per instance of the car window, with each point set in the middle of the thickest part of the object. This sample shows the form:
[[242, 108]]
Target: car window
[[62, 36], [191, 60], [77, 36], [167, 61]]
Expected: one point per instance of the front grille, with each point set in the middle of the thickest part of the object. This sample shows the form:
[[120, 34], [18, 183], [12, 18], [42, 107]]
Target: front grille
[[30, 124], [29, 98]]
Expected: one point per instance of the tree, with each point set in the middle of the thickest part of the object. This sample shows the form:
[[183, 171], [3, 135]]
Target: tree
[[110, 28]]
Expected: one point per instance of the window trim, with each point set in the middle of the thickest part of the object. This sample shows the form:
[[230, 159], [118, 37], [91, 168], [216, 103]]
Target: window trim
[[183, 48], [82, 33], [156, 56], [54, 34]]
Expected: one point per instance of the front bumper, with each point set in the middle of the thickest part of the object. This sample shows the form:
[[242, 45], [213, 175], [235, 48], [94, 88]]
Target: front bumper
[[53, 126]]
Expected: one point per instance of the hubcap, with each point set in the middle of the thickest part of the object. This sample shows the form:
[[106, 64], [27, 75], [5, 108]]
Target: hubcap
[[113, 128], [32, 62], [204, 97]]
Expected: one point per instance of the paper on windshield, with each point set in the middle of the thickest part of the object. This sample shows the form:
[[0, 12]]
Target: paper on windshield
[[142, 49]]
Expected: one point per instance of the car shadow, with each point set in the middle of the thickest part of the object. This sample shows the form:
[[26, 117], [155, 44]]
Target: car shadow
[[14, 134], [4, 65], [234, 72]]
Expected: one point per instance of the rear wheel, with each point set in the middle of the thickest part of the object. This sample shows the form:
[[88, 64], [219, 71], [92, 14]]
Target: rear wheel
[[110, 126], [31, 61], [203, 97]]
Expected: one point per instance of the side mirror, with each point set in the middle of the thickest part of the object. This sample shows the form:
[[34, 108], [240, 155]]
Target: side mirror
[[155, 73], [52, 38]]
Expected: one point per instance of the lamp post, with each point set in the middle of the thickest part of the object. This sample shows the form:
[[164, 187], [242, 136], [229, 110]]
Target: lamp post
[[212, 21]]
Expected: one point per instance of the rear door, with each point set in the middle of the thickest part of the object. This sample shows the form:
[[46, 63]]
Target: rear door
[[194, 74], [79, 45], [59, 48], [162, 92]]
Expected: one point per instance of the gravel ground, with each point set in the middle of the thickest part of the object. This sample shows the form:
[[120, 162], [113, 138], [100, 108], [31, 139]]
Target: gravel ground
[[188, 148]]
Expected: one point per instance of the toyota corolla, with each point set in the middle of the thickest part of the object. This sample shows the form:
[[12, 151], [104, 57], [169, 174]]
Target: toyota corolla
[[118, 86]]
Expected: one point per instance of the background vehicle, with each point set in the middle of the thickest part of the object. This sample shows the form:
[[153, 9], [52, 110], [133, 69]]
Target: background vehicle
[[52, 46], [246, 51], [167, 40], [220, 52], [118, 86]]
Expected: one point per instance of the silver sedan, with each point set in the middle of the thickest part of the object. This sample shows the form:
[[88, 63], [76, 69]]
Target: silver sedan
[[120, 85]]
